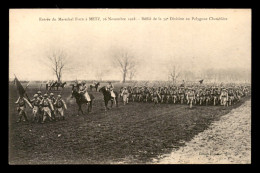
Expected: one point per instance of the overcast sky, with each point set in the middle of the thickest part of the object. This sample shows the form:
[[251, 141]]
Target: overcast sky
[[193, 44]]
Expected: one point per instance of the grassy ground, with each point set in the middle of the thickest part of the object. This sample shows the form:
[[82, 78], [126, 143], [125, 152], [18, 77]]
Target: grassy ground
[[135, 133]]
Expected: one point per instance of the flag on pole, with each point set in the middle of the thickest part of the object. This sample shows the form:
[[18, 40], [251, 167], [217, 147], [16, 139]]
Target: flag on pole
[[19, 86]]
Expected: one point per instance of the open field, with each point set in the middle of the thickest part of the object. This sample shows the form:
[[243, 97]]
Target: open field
[[227, 141], [135, 133]]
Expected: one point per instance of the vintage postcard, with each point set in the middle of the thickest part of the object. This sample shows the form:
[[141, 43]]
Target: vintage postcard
[[129, 86]]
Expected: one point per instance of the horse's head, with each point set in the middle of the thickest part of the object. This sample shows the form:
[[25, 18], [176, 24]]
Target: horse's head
[[102, 89], [74, 91]]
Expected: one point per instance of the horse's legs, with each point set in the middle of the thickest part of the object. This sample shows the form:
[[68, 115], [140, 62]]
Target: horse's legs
[[90, 106], [80, 109], [116, 99], [106, 102], [112, 101]]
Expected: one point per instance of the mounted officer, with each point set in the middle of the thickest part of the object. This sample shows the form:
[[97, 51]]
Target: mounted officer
[[110, 88], [83, 91]]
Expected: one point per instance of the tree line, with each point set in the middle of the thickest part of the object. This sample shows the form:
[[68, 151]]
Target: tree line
[[126, 63]]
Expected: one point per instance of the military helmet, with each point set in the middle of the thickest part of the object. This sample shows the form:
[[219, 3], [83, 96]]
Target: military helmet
[[51, 94], [45, 95], [35, 95], [59, 96], [39, 92]]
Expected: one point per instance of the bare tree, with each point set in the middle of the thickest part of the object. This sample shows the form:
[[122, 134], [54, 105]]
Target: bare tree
[[132, 73], [57, 62], [174, 71], [125, 62]]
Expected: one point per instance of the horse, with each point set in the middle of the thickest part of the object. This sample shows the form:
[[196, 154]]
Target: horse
[[94, 86], [80, 100], [107, 97], [51, 85], [62, 85]]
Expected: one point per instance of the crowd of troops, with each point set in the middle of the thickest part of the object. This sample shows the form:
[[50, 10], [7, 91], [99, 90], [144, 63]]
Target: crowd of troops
[[47, 107], [44, 107], [192, 95]]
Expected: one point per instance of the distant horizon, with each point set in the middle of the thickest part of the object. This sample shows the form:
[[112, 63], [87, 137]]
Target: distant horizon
[[91, 45]]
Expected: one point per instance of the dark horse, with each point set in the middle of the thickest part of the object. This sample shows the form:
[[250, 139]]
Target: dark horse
[[55, 84], [94, 86], [62, 85], [80, 100], [107, 97]]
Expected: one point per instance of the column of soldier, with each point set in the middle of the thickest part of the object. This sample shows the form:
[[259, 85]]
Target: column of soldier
[[198, 95], [43, 107]]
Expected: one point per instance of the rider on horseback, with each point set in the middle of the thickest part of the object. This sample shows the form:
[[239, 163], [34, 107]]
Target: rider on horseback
[[83, 91], [110, 88]]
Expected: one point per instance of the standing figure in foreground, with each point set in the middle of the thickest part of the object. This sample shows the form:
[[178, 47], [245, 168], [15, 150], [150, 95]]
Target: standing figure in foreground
[[224, 97], [47, 108], [52, 98], [21, 108], [36, 103], [190, 96], [125, 95], [59, 104]]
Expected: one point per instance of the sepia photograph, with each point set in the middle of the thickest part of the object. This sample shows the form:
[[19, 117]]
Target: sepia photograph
[[129, 86]]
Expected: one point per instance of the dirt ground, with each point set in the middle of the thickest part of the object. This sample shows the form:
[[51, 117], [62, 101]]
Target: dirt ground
[[131, 134], [227, 141]]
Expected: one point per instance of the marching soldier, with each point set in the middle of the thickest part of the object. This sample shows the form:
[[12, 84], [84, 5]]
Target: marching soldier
[[52, 98], [224, 97], [174, 95], [21, 108], [59, 104], [156, 95], [40, 111], [190, 96], [181, 95], [36, 103], [231, 96], [47, 107], [40, 95], [125, 95]]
